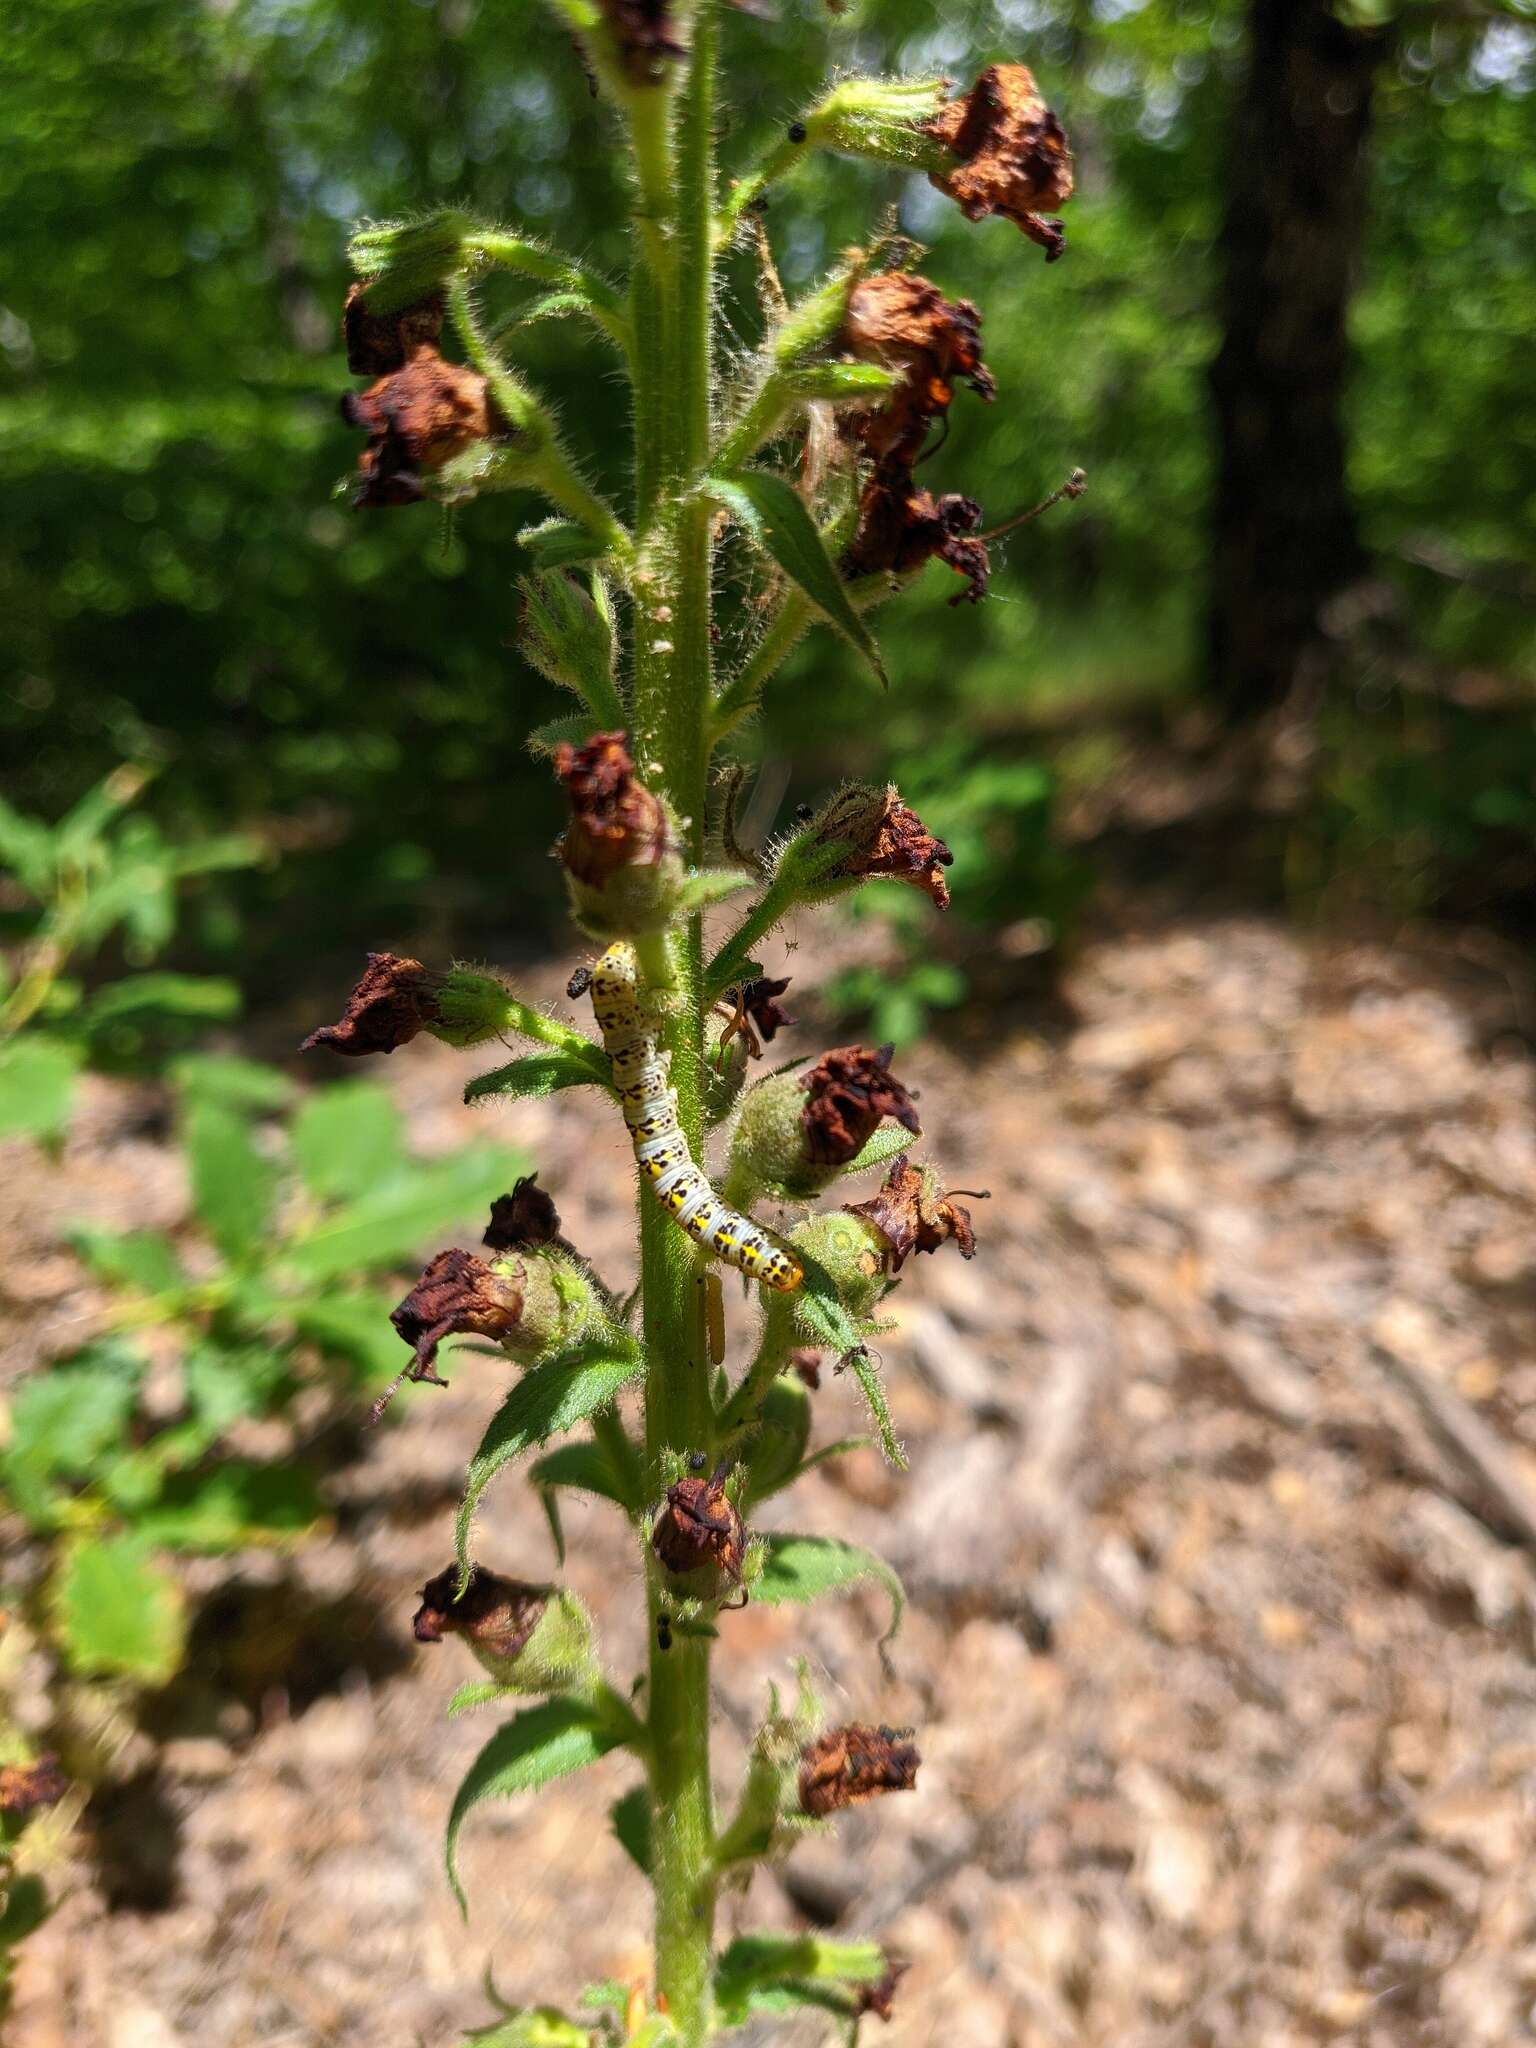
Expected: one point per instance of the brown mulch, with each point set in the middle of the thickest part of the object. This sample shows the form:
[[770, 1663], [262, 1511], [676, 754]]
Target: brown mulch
[[1221, 1639]]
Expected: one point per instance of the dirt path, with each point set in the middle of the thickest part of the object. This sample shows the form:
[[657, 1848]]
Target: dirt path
[[1220, 1648]]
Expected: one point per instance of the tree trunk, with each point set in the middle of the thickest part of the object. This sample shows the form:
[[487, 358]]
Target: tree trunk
[[1284, 542]]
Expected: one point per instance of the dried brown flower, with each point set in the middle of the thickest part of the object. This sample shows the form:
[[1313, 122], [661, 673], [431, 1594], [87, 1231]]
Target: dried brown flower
[[380, 343], [26, 1787], [495, 1614], [886, 840], [700, 1526], [848, 1091], [908, 326], [913, 1215], [901, 527], [522, 1220], [395, 1000], [615, 820], [1013, 154], [646, 36], [457, 1294], [880, 1999], [760, 1001], [848, 1765], [417, 418]]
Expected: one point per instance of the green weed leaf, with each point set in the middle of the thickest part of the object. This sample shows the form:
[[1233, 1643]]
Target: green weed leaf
[[37, 1081], [545, 1742], [389, 1223], [234, 1186], [345, 1139], [630, 1819], [233, 1505], [118, 1614], [799, 1569], [774, 514], [541, 1073], [143, 1260]]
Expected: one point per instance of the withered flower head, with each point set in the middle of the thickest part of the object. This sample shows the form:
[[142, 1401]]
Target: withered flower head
[[760, 1003], [26, 1787], [848, 1091], [458, 1294], [522, 1220], [848, 1765], [886, 840], [1013, 155], [417, 418], [880, 1999], [700, 1526], [495, 1614], [646, 36], [395, 1000], [380, 343], [908, 326], [901, 527], [615, 820], [913, 1215], [805, 1363]]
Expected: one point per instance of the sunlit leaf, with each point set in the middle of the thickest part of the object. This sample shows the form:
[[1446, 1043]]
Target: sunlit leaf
[[346, 1138], [799, 1569], [541, 1073], [774, 513], [544, 1742], [118, 1613], [37, 1077], [234, 1185]]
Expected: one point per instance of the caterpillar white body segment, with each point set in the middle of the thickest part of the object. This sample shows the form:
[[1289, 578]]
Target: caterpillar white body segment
[[661, 1151]]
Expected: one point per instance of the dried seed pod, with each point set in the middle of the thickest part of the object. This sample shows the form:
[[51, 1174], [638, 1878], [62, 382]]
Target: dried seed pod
[[848, 1092], [457, 1295], [24, 1788], [759, 1000], [417, 419], [906, 324], [522, 1220], [913, 1214], [700, 1527], [848, 1765], [1012, 154], [535, 1639], [378, 344], [863, 834], [901, 527]]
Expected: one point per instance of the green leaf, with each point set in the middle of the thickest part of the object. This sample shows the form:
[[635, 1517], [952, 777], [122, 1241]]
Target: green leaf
[[542, 1743], [138, 998], [144, 1260], [795, 1964], [541, 1073], [630, 1818], [391, 1222], [118, 1613], [66, 1419], [867, 1373], [584, 1466], [237, 1083], [484, 1694], [224, 1384], [37, 1077], [799, 1569], [544, 2027], [233, 1505], [820, 1314], [233, 1187], [552, 1397], [347, 1138], [774, 513], [27, 849], [571, 730], [885, 1144]]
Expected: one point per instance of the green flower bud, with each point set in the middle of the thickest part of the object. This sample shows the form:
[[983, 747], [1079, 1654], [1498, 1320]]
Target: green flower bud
[[774, 1453], [853, 1251], [566, 636], [798, 1131], [533, 1639], [404, 262], [882, 118]]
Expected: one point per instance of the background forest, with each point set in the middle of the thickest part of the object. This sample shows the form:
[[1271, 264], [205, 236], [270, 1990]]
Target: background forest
[[1232, 1013]]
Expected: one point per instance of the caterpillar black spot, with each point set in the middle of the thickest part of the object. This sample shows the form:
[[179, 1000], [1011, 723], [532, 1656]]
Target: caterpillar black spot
[[661, 1150]]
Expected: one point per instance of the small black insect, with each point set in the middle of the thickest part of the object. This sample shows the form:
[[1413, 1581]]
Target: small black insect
[[663, 1631], [798, 131]]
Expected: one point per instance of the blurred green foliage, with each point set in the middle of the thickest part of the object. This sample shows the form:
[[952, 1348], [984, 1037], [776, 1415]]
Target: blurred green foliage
[[184, 587], [274, 1310]]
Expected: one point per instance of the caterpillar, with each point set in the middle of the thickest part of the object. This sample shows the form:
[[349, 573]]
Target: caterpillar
[[661, 1150]]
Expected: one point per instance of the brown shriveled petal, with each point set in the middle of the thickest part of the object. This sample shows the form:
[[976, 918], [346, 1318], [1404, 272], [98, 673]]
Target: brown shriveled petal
[[646, 36], [615, 820], [760, 1000], [805, 1363], [457, 1295], [908, 326], [26, 1787], [848, 1765], [396, 999], [699, 1526], [848, 1091], [912, 1215], [496, 1614], [380, 343], [416, 419], [880, 1999], [901, 527], [888, 841], [1013, 154], [525, 1218]]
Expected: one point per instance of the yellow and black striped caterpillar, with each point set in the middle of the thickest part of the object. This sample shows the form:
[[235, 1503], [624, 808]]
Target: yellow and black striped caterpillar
[[661, 1150]]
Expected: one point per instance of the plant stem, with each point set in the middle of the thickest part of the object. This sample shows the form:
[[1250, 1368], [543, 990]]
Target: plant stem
[[672, 698]]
